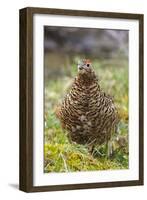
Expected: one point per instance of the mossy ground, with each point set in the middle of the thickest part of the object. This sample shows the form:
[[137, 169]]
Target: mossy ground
[[60, 155]]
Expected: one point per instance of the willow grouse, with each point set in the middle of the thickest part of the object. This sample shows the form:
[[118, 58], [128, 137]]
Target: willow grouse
[[87, 113]]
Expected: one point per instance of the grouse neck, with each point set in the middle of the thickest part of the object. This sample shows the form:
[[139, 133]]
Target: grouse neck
[[87, 79]]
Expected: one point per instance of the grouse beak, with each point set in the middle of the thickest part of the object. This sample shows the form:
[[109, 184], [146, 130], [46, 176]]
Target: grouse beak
[[80, 67]]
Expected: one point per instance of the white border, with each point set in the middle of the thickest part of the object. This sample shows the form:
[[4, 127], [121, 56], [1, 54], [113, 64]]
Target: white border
[[40, 178]]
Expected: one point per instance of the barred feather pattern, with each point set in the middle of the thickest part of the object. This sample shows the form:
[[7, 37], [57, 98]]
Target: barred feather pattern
[[87, 113]]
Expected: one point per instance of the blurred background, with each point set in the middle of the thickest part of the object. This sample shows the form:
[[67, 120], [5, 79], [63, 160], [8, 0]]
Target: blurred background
[[63, 46], [108, 52]]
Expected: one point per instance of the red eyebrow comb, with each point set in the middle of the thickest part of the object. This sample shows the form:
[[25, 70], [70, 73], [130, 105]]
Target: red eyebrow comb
[[86, 61]]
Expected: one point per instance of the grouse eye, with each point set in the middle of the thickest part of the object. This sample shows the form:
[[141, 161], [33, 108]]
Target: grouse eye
[[87, 65]]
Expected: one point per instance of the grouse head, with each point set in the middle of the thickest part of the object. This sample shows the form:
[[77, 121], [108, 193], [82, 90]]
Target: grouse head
[[85, 69], [84, 66]]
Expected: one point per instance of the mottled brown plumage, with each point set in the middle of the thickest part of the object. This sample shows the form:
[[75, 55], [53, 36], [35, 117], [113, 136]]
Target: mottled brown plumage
[[87, 113]]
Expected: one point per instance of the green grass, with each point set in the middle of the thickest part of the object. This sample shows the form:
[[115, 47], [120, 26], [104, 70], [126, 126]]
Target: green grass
[[62, 156]]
